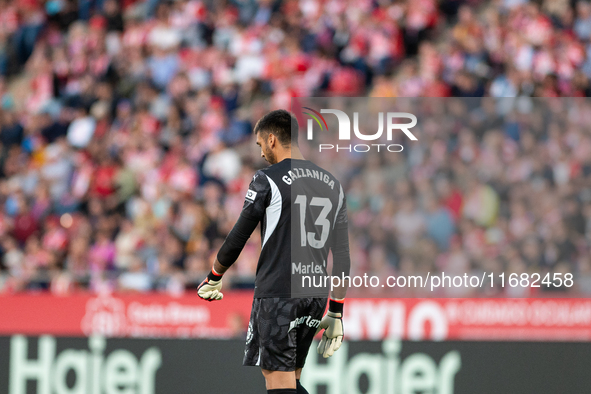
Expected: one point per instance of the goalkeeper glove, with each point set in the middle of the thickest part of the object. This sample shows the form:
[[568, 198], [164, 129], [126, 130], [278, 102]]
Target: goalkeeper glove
[[332, 323], [210, 288]]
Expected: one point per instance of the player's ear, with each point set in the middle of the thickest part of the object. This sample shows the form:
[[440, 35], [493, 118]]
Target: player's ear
[[271, 140]]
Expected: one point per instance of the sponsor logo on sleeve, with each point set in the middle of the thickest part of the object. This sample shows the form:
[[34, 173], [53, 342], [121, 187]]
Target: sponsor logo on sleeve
[[251, 195]]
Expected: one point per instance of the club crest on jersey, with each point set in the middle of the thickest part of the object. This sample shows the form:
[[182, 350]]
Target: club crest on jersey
[[251, 195]]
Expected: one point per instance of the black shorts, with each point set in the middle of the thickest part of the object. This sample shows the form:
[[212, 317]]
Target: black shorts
[[281, 331]]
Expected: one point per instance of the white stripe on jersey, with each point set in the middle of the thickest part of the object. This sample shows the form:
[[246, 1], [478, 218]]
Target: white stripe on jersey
[[273, 211]]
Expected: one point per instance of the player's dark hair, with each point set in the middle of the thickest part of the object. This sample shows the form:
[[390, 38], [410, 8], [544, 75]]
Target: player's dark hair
[[282, 124]]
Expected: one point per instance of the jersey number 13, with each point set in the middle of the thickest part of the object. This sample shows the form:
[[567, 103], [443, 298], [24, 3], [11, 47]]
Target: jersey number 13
[[322, 220]]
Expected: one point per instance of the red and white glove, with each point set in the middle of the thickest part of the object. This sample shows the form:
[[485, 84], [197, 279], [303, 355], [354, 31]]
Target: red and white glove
[[210, 288]]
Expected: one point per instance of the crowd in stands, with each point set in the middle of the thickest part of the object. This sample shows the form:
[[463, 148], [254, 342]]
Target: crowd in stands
[[126, 134], [492, 186]]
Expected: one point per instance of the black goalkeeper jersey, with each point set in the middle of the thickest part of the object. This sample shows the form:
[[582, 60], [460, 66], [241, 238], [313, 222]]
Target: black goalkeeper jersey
[[303, 215]]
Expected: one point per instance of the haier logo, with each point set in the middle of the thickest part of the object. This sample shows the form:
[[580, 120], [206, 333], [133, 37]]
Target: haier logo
[[392, 120], [94, 373], [385, 373]]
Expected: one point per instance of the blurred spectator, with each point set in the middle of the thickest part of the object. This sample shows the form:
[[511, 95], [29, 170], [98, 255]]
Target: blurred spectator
[[135, 278], [439, 223]]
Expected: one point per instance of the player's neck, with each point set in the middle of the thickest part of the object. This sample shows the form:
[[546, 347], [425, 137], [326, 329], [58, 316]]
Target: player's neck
[[292, 153]]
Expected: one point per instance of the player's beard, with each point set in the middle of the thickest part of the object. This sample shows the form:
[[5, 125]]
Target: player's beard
[[269, 155]]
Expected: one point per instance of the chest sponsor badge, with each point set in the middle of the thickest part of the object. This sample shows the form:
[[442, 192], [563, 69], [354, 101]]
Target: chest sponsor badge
[[251, 195]]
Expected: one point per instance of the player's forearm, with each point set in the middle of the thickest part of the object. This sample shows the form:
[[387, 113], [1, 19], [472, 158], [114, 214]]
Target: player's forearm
[[341, 267], [341, 261], [339, 292], [218, 268], [234, 243]]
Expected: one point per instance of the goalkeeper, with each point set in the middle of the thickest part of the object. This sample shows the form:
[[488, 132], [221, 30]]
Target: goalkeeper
[[285, 317]]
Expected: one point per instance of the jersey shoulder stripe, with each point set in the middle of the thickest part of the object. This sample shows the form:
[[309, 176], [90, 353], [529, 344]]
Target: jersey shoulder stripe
[[273, 211]]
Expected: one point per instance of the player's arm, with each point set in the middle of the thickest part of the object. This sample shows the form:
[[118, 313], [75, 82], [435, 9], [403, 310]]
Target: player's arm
[[256, 201], [332, 322], [210, 288], [340, 251]]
